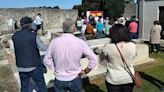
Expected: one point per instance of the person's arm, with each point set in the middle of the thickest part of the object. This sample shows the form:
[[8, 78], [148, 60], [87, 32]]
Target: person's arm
[[91, 57], [48, 59], [129, 27], [40, 44], [40, 19]]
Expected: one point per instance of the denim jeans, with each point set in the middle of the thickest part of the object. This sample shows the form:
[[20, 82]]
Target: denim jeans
[[133, 35], [119, 88], [74, 86], [32, 86], [100, 33], [37, 76]]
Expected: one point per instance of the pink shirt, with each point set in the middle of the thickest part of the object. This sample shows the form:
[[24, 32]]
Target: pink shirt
[[64, 54], [133, 26]]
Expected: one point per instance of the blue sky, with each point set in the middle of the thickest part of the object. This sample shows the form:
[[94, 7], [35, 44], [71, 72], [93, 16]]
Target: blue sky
[[63, 4]]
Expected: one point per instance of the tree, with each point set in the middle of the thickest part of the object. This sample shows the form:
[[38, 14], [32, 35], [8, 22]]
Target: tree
[[110, 7], [56, 7]]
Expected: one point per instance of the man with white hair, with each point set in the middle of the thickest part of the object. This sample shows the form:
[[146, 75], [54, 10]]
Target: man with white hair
[[64, 54]]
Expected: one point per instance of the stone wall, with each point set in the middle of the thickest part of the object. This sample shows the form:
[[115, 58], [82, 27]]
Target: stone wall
[[53, 18], [130, 10]]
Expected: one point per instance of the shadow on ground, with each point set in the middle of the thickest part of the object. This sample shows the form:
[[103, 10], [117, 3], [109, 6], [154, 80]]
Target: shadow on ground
[[151, 79], [89, 87]]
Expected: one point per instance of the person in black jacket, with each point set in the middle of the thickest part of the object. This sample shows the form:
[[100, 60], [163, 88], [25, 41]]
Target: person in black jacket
[[27, 55]]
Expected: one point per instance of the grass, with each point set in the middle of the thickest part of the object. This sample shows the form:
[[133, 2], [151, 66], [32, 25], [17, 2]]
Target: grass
[[151, 73]]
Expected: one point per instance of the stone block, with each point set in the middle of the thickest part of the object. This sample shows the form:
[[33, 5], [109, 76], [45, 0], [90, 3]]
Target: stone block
[[96, 43], [142, 54], [8, 82]]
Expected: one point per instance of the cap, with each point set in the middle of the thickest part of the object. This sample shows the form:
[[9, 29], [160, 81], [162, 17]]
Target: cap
[[25, 20]]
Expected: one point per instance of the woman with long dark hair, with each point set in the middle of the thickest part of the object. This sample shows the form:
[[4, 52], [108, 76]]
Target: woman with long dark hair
[[117, 78]]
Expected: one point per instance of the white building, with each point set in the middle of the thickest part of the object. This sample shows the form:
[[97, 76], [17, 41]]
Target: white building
[[149, 11]]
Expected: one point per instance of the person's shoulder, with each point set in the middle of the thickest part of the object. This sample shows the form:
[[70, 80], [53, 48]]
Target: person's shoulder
[[110, 45], [18, 32], [132, 44], [31, 32]]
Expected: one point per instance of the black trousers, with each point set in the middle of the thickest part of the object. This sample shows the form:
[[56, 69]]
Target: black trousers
[[119, 88], [157, 47], [38, 27]]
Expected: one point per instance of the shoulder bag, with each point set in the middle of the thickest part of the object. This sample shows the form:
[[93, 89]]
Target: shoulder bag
[[136, 77]]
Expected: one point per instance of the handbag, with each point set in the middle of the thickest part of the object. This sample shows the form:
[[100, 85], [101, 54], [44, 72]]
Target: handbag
[[136, 77]]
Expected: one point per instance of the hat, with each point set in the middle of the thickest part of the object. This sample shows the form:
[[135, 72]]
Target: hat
[[25, 20]]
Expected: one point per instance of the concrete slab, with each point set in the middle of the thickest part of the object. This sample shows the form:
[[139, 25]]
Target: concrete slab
[[142, 57], [142, 54], [98, 42]]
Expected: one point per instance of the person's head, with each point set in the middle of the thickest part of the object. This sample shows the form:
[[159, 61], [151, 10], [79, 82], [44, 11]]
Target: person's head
[[121, 20], [107, 18], [120, 33], [25, 22], [156, 22], [69, 26], [99, 20], [39, 14]]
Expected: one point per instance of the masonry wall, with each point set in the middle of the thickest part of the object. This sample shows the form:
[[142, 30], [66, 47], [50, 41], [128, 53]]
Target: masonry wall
[[53, 18], [130, 10]]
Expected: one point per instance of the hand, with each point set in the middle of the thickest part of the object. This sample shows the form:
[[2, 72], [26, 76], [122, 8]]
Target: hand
[[81, 73], [87, 70]]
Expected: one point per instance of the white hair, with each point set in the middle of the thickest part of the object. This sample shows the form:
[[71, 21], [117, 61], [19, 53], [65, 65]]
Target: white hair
[[68, 25]]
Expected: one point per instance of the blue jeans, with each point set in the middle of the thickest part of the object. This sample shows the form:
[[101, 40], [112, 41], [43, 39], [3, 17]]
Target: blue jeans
[[74, 86], [99, 33], [133, 35], [37, 76]]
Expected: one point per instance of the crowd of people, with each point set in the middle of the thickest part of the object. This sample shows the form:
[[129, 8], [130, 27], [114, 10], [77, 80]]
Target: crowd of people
[[64, 53], [97, 27]]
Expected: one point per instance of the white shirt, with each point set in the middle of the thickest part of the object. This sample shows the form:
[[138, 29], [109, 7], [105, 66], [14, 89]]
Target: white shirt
[[116, 74], [79, 23], [38, 20], [84, 26], [10, 22], [96, 19]]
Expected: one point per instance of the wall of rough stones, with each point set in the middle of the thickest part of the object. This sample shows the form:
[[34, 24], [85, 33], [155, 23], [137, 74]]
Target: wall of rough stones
[[53, 18], [130, 10]]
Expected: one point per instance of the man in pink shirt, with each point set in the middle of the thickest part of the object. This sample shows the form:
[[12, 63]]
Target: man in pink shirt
[[133, 27], [64, 54]]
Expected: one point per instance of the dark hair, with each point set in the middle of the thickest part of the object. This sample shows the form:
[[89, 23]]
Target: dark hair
[[120, 33], [39, 14], [24, 21], [157, 22]]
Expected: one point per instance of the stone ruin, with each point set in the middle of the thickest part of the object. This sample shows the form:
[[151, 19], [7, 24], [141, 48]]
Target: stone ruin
[[10, 78], [8, 81]]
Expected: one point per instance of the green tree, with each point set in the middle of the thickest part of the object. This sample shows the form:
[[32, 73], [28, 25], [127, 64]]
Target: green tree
[[110, 7]]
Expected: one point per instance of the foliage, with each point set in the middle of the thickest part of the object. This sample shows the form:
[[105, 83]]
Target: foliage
[[110, 7], [49, 7]]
